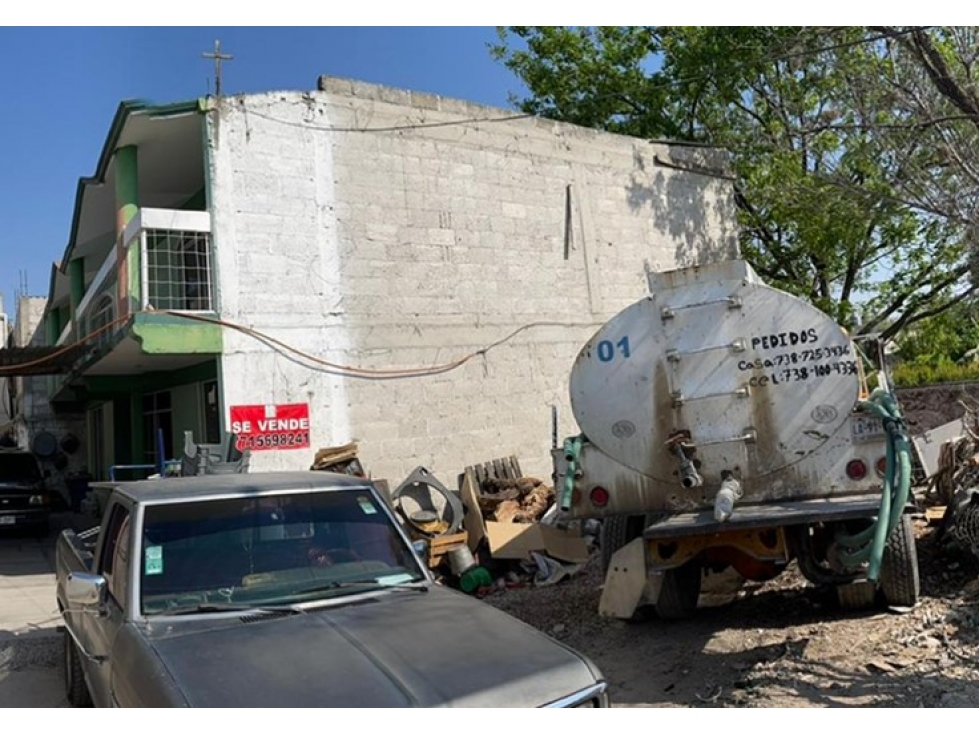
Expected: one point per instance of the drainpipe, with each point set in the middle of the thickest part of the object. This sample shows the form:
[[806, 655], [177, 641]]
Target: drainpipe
[[127, 205], [729, 493]]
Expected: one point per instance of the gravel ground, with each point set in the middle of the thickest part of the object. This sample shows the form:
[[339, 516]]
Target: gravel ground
[[784, 643]]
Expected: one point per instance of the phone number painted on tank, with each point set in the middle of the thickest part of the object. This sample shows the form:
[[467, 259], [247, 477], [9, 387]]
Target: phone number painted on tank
[[798, 374], [801, 357]]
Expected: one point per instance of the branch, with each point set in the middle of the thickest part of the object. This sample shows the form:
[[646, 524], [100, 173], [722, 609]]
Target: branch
[[919, 44], [936, 288], [911, 317]]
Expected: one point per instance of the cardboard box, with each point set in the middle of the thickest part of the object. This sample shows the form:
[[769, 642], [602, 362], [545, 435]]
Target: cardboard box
[[516, 540]]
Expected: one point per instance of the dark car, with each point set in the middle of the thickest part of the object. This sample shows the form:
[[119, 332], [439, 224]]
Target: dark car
[[24, 499]]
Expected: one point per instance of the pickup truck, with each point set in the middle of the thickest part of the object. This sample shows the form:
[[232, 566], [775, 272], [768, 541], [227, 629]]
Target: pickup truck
[[25, 501], [296, 589]]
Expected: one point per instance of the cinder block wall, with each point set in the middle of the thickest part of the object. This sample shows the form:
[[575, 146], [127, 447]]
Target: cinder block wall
[[386, 229]]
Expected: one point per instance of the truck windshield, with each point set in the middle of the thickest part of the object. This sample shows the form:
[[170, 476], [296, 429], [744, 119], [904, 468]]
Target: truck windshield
[[268, 550], [18, 468]]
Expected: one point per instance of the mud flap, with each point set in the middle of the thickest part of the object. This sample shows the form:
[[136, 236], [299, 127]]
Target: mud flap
[[627, 587]]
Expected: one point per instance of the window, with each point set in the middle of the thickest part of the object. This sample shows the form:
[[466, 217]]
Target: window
[[115, 555], [157, 417], [280, 548], [18, 467], [179, 270]]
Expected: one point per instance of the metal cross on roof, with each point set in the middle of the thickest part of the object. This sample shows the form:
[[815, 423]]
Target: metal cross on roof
[[218, 58]]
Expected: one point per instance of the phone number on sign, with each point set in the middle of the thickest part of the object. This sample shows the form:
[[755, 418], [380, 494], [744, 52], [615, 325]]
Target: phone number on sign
[[290, 440]]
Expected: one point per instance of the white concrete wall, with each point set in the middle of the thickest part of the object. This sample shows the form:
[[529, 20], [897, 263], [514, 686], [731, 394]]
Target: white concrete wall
[[346, 230]]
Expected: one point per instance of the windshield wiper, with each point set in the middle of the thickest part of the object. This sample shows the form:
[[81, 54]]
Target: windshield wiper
[[365, 586], [217, 608]]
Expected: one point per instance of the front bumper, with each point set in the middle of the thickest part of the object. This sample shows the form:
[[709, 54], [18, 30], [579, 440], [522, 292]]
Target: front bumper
[[24, 518], [595, 696]]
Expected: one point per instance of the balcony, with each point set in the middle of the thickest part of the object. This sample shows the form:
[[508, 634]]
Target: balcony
[[166, 266]]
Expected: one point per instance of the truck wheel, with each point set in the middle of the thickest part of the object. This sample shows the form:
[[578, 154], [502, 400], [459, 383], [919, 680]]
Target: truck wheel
[[900, 581], [617, 532], [75, 689], [680, 590]]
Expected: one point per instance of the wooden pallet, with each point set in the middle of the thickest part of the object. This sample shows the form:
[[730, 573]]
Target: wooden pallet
[[505, 468], [442, 544]]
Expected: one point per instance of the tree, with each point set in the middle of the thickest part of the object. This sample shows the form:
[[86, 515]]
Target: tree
[[842, 196], [948, 337]]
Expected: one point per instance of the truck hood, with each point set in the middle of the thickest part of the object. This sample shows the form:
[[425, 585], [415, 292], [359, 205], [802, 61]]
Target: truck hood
[[396, 649]]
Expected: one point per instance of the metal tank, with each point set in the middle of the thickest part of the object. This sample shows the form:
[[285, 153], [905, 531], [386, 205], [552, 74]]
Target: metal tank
[[718, 423]]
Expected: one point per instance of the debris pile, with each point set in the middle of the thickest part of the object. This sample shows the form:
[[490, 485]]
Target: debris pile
[[499, 530], [953, 483], [339, 459], [525, 499]]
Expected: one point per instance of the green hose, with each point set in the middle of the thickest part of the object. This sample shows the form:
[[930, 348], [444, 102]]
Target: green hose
[[867, 546], [572, 453]]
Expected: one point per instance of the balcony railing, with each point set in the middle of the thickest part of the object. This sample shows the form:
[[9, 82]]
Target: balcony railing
[[166, 265]]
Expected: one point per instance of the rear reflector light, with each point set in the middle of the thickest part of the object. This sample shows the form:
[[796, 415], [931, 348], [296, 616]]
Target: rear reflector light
[[882, 466], [599, 496], [856, 470]]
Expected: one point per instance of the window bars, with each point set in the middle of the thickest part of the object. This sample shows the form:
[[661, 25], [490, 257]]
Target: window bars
[[178, 270]]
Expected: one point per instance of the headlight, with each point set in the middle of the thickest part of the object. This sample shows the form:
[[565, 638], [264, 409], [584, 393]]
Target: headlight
[[37, 499]]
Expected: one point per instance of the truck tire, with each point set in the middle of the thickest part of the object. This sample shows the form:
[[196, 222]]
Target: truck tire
[[900, 579], [617, 532], [680, 591], [75, 689]]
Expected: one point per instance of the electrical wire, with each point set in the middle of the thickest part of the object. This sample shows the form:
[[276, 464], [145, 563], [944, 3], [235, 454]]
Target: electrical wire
[[15, 368], [389, 128], [373, 373], [664, 84], [278, 344]]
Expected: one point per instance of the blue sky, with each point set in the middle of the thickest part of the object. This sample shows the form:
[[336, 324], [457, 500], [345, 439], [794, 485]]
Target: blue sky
[[60, 88]]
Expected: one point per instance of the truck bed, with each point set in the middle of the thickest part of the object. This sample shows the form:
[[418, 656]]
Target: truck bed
[[75, 552]]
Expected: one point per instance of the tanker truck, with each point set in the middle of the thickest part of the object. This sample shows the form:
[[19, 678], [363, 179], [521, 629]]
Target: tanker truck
[[727, 429]]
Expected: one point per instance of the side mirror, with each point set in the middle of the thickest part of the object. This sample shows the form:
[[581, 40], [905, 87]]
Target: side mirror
[[86, 591], [421, 549]]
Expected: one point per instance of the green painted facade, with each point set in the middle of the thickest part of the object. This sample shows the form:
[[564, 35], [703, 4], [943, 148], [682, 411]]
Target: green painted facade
[[122, 402], [161, 333], [110, 387], [127, 186], [126, 392]]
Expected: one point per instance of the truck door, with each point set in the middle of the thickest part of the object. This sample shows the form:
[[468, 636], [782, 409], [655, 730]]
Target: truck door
[[114, 566]]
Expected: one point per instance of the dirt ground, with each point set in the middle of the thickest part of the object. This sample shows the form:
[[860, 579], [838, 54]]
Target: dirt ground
[[783, 643]]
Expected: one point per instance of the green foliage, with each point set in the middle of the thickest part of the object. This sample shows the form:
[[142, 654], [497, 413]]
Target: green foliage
[[916, 375], [943, 339], [822, 145]]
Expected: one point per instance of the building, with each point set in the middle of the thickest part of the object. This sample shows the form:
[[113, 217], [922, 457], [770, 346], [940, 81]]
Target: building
[[359, 263], [6, 413]]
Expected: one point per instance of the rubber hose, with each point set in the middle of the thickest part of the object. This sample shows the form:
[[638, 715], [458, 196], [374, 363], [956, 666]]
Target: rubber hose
[[572, 451], [870, 542]]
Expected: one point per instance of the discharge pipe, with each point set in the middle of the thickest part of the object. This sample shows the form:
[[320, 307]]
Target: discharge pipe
[[689, 477], [726, 496]]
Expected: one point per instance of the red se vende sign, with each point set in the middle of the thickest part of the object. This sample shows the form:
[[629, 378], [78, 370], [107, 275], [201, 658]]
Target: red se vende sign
[[265, 427]]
